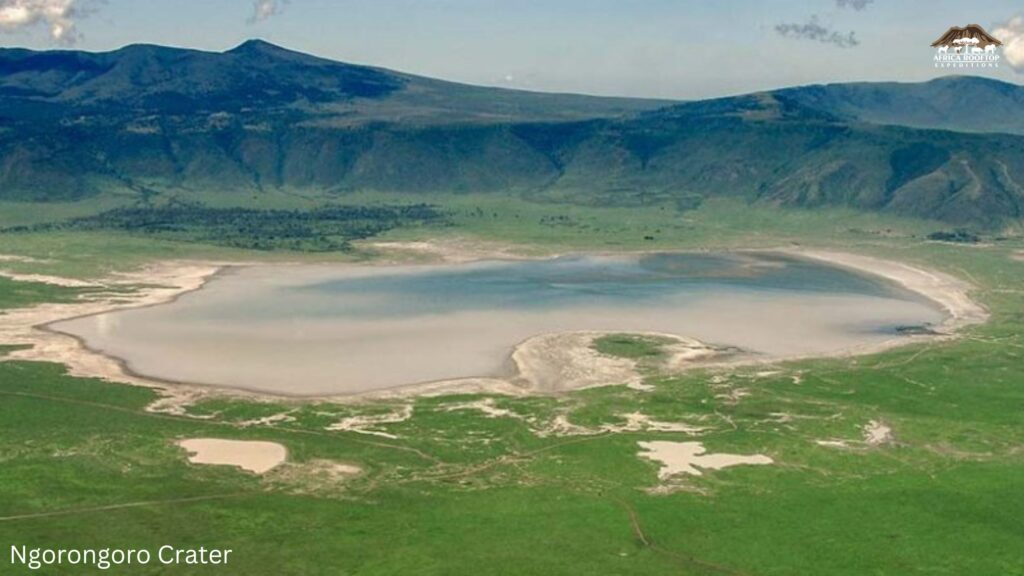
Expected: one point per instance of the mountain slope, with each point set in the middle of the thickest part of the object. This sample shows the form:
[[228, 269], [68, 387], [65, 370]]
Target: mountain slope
[[961, 103], [768, 148], [153, 120], [261, 77]]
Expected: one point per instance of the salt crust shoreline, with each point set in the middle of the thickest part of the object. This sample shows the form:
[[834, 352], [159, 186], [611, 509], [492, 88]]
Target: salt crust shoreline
[[542, 364]]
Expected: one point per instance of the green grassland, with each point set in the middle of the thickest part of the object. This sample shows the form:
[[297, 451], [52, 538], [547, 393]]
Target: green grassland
[[16, 294], [532, 226], [631, 346], [84, 464]]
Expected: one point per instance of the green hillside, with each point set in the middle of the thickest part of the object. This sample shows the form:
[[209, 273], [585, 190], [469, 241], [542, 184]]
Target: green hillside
[[146, 121]]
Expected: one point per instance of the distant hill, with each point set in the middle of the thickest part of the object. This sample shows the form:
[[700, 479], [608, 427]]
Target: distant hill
[[772, 148], [963, 103], [259, 77], [151, 119]]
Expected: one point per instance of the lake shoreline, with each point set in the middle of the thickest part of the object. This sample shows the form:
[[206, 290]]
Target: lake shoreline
[[525, 376]]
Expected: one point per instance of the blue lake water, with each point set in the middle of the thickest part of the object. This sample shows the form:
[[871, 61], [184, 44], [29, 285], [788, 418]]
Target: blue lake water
[[319, 330]]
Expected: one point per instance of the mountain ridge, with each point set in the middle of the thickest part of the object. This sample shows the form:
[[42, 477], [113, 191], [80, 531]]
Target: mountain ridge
[[151, 119], [138, 74], [957, 103]]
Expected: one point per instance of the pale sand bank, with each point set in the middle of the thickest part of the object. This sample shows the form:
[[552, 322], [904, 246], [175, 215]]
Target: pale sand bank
[[637, 421], [877, 433], [21, 259], [485, 406], [833, 443], [949, 292], [281, 418], [450, 250], [45, 279], [161, 282], [253, 456], [690, 458], [560, 425], [633, 422], [367, 424], [562, 362], [547, 362]]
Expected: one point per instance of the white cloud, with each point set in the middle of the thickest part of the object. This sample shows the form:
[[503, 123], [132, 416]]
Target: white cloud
[[57, 15], [857, 5], [815, 31], [263, 9], [1011, 34]]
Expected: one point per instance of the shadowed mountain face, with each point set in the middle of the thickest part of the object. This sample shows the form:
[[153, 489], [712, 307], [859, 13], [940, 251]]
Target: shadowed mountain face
[[151, 119], [260, 78]]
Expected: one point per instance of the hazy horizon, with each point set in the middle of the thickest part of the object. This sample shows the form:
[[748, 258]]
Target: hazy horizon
[[652, 48], [1011, 80]]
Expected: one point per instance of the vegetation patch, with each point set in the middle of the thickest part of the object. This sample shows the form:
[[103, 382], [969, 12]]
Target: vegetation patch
[[18, 294], [632, 346], [323, 229], [960, 235], [6, 349]]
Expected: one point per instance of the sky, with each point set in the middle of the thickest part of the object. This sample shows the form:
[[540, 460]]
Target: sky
[[678, 49]]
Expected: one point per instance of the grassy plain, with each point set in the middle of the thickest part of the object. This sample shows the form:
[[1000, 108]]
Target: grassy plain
[[458, 491]]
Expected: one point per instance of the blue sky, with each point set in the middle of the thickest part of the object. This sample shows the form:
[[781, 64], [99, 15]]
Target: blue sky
[[662, 48]]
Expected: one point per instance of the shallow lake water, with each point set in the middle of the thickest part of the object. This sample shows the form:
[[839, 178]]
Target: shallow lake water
[[319, 330]]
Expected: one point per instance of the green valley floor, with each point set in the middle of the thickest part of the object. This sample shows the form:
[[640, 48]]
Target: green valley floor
[[909, 461]]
